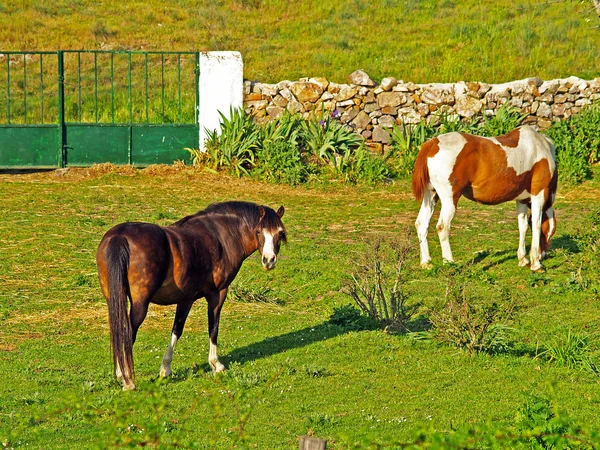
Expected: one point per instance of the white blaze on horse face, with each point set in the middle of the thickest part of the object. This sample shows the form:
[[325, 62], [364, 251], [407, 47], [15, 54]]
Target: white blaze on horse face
[[269, 258]]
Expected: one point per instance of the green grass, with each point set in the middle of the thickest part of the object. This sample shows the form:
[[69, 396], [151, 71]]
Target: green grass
[[291, 370], [417, 40]]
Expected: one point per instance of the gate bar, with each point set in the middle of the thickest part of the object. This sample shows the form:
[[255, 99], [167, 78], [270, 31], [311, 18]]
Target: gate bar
[[62, 133]]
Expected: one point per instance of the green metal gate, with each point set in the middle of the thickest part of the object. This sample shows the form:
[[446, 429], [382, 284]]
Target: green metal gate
[[77, 108]]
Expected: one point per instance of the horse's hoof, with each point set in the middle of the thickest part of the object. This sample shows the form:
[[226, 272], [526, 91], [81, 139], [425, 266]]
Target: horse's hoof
[[217, 366], [524, 262], [427, 265], [129, 387], [540, 269], [165, 372]]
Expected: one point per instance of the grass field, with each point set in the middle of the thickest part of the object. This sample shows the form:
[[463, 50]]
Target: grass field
[[417, 40], [291, 370]]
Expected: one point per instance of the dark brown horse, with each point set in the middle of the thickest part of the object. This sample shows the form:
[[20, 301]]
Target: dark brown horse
[[198, 256]]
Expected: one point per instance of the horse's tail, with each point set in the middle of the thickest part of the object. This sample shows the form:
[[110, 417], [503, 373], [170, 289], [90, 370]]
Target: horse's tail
[[121, 335], [420, 178]]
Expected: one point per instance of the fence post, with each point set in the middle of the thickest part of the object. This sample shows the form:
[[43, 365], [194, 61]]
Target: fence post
[[62, 131], [312, 443], [221, 86]]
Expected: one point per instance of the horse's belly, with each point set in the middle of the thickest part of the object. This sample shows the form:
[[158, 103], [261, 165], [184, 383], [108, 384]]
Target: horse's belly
[[169, 294], [493, 194]]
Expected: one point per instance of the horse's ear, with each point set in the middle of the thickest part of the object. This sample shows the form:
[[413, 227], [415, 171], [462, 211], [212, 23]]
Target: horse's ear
[[262, 211], [280, 211]]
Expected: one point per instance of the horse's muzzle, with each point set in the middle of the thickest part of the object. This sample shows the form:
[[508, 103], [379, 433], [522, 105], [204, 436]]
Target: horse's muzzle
[[269, 262]]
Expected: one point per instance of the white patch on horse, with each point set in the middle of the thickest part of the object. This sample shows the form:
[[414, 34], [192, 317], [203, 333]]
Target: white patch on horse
[[523, 195], [165, 367], [531, 148], [213, 358], [442, 163]]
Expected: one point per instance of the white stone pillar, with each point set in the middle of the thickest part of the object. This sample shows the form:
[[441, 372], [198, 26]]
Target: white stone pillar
[[221, 88]]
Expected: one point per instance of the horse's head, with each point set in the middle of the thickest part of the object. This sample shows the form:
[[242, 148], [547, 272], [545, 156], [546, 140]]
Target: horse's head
[[548, 229], [270, 233]]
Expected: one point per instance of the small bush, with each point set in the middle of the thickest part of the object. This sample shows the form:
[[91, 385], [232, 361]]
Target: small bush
[[577, 142], [377, 286], [471, 321], [280, 162], [507, 118], [350, 318]]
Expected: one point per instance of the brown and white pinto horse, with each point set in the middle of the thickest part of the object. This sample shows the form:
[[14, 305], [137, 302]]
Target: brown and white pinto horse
[[519, 166], [198, 256]]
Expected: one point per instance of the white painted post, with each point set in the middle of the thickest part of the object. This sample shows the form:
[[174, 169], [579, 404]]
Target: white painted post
[[221, 88]]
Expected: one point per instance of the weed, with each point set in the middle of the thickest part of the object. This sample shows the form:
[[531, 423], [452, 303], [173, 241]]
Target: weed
[[406, 142], [350, 318], [572, 350], [473, 322], [327, 138], [377, 286]]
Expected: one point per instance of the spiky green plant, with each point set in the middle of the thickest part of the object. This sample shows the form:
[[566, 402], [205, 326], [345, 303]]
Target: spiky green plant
[[234, 145]]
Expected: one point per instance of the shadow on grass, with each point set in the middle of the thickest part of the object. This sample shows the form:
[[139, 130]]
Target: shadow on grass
[[288, 341], [566, 242], [293, 340]]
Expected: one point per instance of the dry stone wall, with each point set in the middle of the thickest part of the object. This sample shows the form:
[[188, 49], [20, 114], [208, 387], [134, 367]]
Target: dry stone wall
[[372, 109]]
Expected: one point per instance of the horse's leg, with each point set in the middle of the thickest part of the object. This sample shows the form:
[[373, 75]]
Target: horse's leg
[[215, 303], [537, 202], [522, 211], [443, 226], [422, 224], [181, 314]]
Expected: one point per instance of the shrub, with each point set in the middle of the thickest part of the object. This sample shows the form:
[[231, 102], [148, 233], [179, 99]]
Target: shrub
[[280, 162], [350, 318], [470, 321], [363, 166], [577, 142], [377, 286]]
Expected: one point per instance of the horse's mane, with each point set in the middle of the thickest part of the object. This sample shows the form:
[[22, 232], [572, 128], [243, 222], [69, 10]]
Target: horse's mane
[[245, 211]]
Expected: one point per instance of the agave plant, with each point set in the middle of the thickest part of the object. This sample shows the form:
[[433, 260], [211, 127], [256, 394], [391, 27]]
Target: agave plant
[[328, 139], [233, 147], [507, 118], [407, 140]]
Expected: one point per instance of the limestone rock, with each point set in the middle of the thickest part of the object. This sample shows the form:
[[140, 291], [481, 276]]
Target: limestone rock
[[305, 91], [360, 78], [361, 120], [388, 83], [380, 135], [467, 106], [346, 92], [390, 99]]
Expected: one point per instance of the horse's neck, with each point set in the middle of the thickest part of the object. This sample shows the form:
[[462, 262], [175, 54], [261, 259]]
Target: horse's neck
[[238, 239]]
